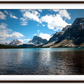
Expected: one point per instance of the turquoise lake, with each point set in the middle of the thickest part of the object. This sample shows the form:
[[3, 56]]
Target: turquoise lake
[[42, 61]]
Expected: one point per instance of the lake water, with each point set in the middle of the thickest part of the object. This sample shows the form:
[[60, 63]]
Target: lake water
[[42, 61]]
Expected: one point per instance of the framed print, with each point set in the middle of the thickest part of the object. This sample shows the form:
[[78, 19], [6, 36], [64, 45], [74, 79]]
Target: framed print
[[41, 41]]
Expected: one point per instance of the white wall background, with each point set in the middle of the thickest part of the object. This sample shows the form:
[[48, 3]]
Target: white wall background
[[41, 6]]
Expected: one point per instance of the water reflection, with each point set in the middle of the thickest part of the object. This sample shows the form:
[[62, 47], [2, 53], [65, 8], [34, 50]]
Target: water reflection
[[45, 61]]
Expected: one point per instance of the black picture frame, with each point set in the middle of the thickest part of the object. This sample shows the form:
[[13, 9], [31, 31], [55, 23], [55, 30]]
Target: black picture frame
[[41, 2]]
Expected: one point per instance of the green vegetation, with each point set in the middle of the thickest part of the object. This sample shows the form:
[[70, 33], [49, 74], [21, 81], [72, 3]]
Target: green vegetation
[[8, 47]]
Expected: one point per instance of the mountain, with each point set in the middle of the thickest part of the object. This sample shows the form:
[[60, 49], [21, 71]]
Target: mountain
[[37, 41], [34, 43], [27, 45], [56, 37], [73, 36], [69, 36], [15, 42], [4, 43]]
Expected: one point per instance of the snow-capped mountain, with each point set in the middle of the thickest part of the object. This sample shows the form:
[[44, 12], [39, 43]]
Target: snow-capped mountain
[[15, 42], [37, 41]]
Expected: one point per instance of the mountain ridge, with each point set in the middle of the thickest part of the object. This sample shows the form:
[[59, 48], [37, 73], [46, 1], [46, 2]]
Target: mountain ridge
[[69, 36]]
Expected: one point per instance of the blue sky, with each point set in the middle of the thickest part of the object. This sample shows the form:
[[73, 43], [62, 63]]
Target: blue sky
[[24, 24]]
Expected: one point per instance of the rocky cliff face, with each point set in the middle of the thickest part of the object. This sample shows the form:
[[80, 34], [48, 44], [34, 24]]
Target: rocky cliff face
[[74, 32], [38, 40], [15, 42], [70, 36], [57, 35]]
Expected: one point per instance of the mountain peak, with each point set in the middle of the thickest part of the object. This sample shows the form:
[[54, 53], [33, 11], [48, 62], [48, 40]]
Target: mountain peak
[[78, 21], [15, 42], [38, 40]]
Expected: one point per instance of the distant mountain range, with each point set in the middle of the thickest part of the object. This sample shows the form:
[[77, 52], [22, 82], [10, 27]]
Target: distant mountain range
[[70, 36], [36, 41]]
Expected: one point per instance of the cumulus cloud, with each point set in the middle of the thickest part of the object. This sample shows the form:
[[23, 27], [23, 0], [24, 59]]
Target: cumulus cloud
[[16, 35], [3, 25], [40, 10], [6, 12], [45, 36], [54, 22], [8, 33], [2, 38], [64, 13], [2, 16], [4, 30], [24, 40], [31, 15], [23, 21], [12, 16]]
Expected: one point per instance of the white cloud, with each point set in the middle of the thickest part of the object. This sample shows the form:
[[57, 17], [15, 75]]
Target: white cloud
[[23, 19], [35, 34], [43, 25], [45, 36], [2, 39], [4, 31], [40, 10], [3, 42], [16, 35], [24, 23], [38, 30], [24, 40], [64, 13], [12, 16], [3, 25], [8, 33], [54, 22], [27, 39], [6, 12], [55, 10], [2, 16], [31, 15], [21, 40]]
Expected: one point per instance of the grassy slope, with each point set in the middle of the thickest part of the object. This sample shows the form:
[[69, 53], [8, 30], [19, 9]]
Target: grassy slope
[[49, 44], [65, 43]]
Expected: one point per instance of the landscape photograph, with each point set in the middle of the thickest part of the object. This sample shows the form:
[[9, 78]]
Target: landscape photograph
[[41, 41]]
